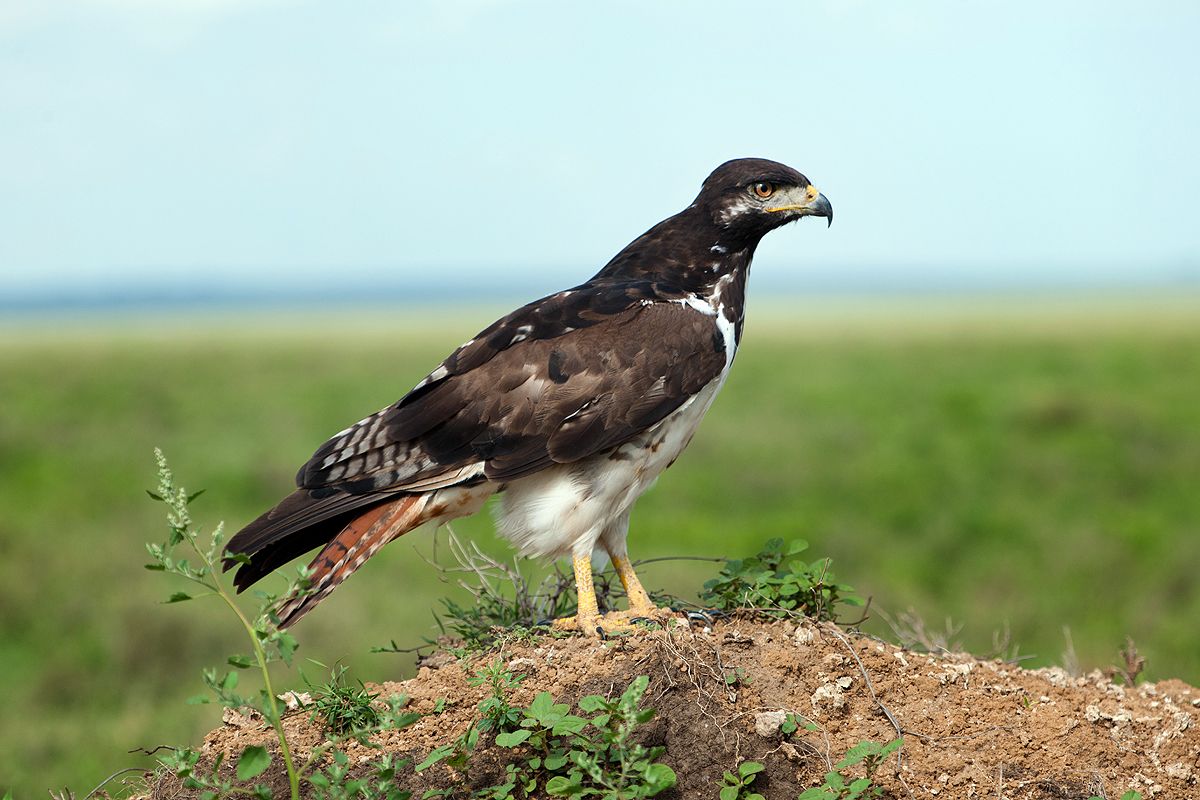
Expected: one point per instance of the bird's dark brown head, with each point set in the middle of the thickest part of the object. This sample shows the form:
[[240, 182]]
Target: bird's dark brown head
[[751, 196], [739, 203]]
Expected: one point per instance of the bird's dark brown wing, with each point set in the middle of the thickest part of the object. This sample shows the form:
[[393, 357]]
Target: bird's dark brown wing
[[549, 384], [573, 374]]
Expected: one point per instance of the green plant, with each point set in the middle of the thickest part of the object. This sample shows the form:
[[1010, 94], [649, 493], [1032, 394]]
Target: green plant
[[565, 754], [334, 782], [503, 598], [737, 677], [605, 761], [267, 640], [839, 786], [776, 582], [328, 769], [544, 731], [497, 714], [737, 787], [348, 711], [184, 763], [345, 709], [794, 722], [1130, 795], [506, 605]]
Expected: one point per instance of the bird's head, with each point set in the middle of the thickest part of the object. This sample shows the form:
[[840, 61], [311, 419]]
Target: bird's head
[[748, 197], [739, 203]]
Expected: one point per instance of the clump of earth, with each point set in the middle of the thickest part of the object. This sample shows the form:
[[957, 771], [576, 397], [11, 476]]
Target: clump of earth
[[971, 728]]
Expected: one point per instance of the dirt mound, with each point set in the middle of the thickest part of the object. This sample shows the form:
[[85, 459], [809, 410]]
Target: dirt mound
[[971, 728]]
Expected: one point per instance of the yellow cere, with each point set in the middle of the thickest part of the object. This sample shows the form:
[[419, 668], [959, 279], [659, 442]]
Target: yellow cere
[[811, 194]]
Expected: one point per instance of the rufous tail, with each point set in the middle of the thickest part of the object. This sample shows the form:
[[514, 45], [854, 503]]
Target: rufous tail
[[349, 550]]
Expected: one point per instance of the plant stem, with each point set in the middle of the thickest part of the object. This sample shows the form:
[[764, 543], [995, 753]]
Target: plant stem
[[260, 656], [276, 719]]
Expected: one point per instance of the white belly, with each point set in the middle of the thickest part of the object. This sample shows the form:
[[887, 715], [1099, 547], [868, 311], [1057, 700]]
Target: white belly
[[564, 510]]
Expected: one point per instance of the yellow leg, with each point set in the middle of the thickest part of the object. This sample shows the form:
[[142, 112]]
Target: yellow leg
[[588, 620], [585, 589], [587, 617], [639, 600]]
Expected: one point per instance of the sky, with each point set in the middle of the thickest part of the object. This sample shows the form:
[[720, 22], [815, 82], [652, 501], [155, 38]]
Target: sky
[[314, 145]]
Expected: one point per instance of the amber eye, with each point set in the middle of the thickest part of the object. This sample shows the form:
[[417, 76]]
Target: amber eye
[[764, 190]]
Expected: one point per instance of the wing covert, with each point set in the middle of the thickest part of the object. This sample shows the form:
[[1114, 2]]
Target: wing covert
[[545, 385]]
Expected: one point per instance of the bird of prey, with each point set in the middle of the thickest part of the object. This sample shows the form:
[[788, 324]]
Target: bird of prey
[[569, 408]]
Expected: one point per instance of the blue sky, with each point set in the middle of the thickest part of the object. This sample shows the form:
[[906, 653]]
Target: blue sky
[[245, 143]]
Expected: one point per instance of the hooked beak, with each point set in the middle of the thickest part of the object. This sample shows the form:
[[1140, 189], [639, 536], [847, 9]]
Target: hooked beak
[[821, 208], [807, 203]]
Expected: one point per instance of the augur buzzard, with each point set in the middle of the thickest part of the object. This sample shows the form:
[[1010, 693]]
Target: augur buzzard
[[570, 407]]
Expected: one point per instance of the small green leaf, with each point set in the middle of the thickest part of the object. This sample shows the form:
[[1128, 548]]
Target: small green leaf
[[729, 793], [659, 777], [241, 662], [436, 755], [253, 762], [178, 597], [816, 793], [749, 768], [593, 702], [546, 711], [569, 724], [194, 495], [153, 496], [560, 786], [287, 645], [514, 738], [856, 754]]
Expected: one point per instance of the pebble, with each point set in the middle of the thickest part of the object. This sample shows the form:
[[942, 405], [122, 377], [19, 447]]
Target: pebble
[[767, 723]]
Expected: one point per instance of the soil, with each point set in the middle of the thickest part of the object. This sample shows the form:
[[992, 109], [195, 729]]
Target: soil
[[971, 728]]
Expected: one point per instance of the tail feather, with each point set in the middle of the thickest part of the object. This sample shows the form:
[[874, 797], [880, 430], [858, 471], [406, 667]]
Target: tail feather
[[301, 521], [360, 539]]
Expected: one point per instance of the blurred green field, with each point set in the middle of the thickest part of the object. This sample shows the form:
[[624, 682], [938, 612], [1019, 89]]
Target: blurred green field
[[1033, 464]]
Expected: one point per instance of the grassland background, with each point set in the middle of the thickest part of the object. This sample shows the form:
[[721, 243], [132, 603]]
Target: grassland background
[[1029, 463]]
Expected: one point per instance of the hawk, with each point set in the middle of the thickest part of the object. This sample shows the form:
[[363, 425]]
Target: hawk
[[569, 408]]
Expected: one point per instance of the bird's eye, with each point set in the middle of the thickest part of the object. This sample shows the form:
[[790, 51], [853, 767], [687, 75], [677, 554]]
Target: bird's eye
[[764, 190]]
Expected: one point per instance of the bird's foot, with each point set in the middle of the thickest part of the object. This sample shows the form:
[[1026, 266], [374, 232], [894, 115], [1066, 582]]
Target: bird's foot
[[588, 624], [638, 617], [616, 622]]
